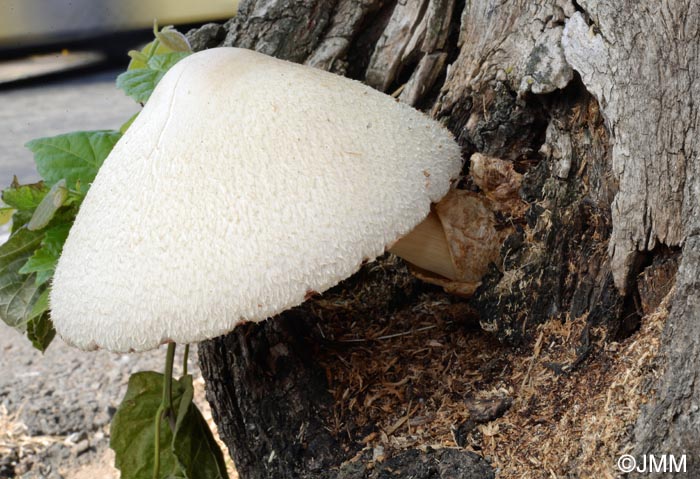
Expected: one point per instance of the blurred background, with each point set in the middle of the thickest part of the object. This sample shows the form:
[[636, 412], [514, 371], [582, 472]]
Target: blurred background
[[27, 24], [59, 60]]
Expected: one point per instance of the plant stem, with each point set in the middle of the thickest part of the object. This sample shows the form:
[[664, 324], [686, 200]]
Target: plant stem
[[166, 404], [184, 360], [168, 379], [152, 51]]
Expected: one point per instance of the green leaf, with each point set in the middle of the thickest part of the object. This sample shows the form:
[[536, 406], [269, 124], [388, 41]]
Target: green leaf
[[139, 83], [18, 292], [75, 198], [165, 62], [40, 330], [24, 197], [138, 58], [43, 261], [46, 210], [195, 448], [75, 157], [132, 429], [41, 306], [168, 40], [20, 220], [190, 452]]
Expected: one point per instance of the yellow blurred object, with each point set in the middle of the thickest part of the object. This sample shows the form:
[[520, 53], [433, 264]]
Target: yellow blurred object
[[5, 215]]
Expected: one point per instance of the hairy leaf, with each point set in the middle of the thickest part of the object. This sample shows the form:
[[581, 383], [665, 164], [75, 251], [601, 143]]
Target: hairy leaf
[[46, 210], [163, 63], [140, 82], [167, 40], [173, 40], [18, 292], [75, 157], [139, 59]]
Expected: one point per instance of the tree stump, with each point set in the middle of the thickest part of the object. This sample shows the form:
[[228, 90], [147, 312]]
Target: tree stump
[[591, 106]]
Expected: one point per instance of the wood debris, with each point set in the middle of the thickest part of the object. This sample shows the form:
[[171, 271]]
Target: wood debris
[[426, 375]]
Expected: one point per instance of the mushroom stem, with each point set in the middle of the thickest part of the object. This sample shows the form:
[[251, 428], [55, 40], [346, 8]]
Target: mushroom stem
[[426, 248]]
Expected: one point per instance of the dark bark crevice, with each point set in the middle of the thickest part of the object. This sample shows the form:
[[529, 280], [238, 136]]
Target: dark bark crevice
[[555, 261], [362, 44]]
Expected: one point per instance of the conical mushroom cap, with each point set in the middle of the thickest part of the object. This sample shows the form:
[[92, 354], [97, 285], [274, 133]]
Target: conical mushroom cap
[[245, 183]]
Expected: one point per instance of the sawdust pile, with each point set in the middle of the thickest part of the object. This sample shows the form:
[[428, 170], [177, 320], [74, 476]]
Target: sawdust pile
[[575, 423], [428, 376]]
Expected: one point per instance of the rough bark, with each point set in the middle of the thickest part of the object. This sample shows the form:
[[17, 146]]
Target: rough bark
[[594, 104], [641, 67], [640, 60], [268, 391]]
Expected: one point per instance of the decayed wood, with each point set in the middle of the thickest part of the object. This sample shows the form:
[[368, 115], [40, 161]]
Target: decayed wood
[[321, 33], [603, 181], [510, 55], [670, 423], [641, 60], [425, 75], [270, 400]]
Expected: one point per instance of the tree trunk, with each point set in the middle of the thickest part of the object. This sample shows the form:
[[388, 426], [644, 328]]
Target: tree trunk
[[588, 340]]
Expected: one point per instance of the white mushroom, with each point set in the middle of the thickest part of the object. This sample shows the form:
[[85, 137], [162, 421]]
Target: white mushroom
[[245, 183]]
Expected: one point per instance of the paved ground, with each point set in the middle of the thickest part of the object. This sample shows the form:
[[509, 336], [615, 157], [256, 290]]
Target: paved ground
[[66, 397], [80, 103]]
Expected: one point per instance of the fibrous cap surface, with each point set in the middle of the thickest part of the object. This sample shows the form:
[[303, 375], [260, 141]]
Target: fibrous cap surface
[[245, 183]]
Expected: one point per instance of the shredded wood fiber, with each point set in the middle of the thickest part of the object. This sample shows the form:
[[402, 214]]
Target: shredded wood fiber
[[428, 376]]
